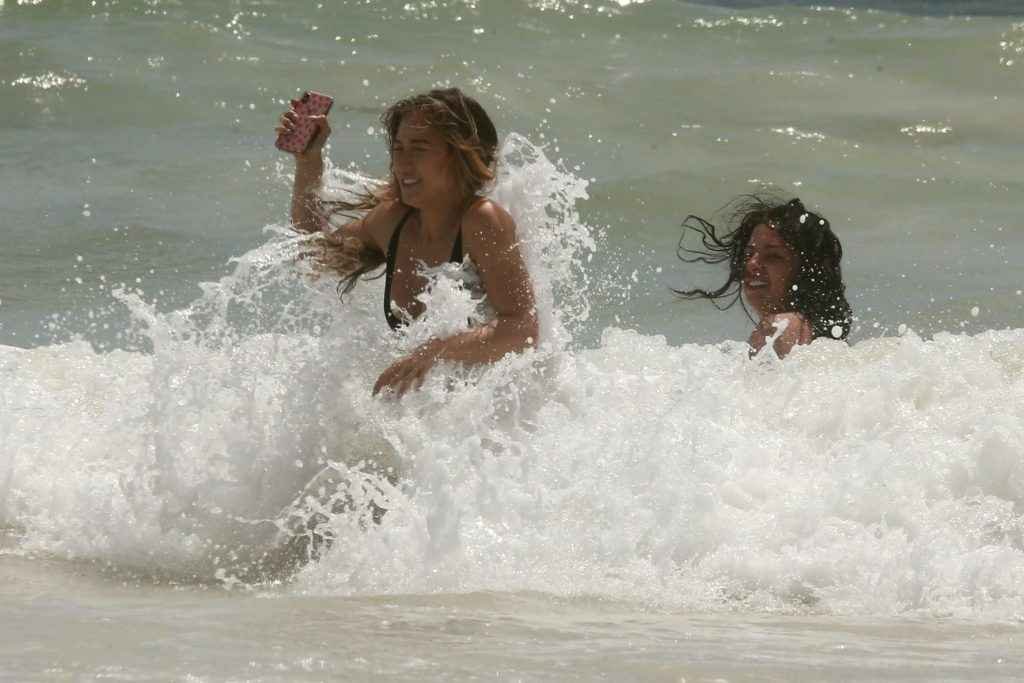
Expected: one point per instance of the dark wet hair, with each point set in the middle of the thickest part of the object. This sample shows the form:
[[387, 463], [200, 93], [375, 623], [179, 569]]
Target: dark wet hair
[[466, 128], [819, 293]]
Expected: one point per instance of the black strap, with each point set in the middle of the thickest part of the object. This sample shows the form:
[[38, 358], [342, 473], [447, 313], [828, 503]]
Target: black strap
[[394, 322], [456, 256]]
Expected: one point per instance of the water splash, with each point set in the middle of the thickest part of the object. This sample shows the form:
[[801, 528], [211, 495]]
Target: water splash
[[196, 457], [883, 478]]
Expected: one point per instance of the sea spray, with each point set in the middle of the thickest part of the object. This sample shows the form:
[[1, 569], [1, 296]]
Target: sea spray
[[881, 479], [198, 458], [878, 479]]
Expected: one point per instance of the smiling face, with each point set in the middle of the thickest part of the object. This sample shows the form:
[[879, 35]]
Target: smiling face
[[421, 161], [769, 271]]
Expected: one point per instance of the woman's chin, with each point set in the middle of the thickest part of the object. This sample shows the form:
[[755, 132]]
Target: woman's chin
[[411, 194]]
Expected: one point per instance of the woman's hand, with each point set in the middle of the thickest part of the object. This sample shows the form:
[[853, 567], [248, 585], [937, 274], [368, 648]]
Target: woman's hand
[[309, 169], [409, 372], [785, 330], [290, 119]]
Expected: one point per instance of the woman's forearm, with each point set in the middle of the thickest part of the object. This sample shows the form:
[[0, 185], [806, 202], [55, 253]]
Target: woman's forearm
[[308, 176], [490, 342], [484, 344]]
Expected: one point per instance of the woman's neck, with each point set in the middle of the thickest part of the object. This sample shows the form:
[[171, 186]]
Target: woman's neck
[[441, 221]]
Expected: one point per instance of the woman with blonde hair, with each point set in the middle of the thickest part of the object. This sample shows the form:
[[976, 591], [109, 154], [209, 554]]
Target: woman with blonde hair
[[430, 210]]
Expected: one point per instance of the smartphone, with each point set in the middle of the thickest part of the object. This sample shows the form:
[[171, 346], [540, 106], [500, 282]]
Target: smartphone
[[310, 104]]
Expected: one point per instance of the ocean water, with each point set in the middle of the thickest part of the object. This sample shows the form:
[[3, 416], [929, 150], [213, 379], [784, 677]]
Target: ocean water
[[196, 484]]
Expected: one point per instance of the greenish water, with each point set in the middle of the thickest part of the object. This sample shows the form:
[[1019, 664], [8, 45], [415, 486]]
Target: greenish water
[[901, 128]]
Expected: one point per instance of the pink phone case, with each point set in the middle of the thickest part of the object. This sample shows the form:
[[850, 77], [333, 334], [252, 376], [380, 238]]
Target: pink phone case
[[310, 104]]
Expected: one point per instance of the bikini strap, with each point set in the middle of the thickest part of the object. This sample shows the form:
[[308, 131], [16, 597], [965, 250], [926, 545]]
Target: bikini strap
[[456, 256], [394, 322], [457, 253]]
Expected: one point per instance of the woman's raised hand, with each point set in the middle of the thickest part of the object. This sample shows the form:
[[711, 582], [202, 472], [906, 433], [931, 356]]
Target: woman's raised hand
[[290, 119]]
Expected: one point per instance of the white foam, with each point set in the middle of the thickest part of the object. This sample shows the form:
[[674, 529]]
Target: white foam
[[884, 478]]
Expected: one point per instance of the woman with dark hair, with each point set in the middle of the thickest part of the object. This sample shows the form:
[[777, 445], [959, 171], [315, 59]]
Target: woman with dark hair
[[784, 263], [430, 210]]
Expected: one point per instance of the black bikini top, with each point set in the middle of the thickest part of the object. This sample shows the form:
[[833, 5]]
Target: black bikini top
[[393, 320]]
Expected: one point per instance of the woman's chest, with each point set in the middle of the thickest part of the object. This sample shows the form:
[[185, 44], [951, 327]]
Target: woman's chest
[[407, 277]]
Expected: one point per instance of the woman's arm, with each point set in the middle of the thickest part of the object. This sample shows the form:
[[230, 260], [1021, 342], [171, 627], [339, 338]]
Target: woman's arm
[[350, 249], [308, 176], [489, 234], [309, 171], [490, 237]]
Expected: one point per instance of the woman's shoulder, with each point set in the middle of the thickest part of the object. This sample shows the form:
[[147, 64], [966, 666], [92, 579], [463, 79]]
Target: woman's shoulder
[[382, 220], [486, 219], [789, 317], [389, 210], [786, 330], [791, 326]]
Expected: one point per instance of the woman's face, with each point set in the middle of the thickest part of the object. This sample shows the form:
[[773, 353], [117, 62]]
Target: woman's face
[[769, 271], [421, 161]]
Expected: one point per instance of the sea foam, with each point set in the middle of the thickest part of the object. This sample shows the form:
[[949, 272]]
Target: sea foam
[[880, 478]]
